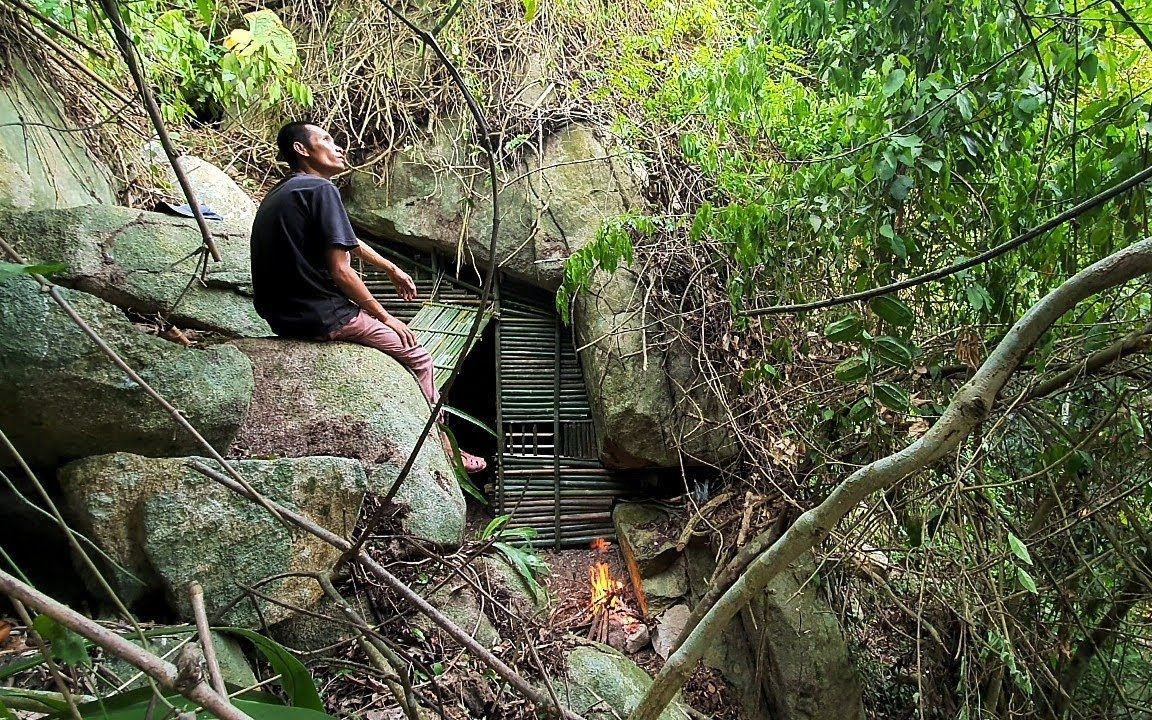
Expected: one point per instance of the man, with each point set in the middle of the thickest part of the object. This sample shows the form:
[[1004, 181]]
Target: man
[[302, 276]]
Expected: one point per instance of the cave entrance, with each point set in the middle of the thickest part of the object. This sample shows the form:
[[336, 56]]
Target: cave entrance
[[522, 379]]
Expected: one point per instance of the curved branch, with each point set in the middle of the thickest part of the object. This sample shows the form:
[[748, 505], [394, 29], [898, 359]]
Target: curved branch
[[969, 407], [1031, 234]]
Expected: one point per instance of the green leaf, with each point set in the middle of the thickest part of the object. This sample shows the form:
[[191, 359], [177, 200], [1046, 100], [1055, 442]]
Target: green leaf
[[891, 397], [845, 329], [206, 9], [892, 309], [498, 522], [893, 351], [527, 566], [10, 270], [1026, 580], [701, 223], [852, 369], [531, 7], [901, 186], [294, 677], [895, 82], [67, 647], [462, 477], [6, 714], [470, 419], [1019, 549]]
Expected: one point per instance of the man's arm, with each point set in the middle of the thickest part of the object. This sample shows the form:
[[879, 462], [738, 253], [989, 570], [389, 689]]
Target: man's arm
[[405, 287], [348, 280]]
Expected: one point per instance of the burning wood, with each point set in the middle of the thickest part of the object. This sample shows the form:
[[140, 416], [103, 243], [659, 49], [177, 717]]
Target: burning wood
[[613, 621]]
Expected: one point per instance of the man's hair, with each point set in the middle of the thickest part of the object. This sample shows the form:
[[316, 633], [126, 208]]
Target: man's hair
[[290, 134]]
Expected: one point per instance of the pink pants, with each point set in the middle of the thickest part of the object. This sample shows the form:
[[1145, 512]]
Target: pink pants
[[367, 330]]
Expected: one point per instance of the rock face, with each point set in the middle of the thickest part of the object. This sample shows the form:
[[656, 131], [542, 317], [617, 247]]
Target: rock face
[[352, 401], [213, 187], [554, 208], [145, 261], [61, 398], [602, 683], [168, 525], [41, 166], [790, 640], [644, 411], [808, 674], [234, 667]]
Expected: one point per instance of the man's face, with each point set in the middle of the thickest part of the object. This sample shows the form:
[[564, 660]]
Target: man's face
[[322, 154]]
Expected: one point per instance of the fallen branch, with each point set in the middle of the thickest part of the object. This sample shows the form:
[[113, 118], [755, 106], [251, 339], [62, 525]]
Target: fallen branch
[[165, 673], [968, 409], [396, 585]]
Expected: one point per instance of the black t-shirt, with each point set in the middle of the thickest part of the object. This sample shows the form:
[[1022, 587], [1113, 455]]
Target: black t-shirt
[[298, 221]]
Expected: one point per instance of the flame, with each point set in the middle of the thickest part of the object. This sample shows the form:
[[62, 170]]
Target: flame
[[605, 588]]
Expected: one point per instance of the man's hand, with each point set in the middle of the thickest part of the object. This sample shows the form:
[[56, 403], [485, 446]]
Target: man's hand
[[407, 337], [405, 286]]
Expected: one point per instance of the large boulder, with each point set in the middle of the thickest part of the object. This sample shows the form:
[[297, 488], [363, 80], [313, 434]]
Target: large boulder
[[43, 163], [650, 405], [315, 398], [62, 398], [556, 204], [803, 660], [603, 683], [166, 525], [145, 261], [211, 185], [785, 652]]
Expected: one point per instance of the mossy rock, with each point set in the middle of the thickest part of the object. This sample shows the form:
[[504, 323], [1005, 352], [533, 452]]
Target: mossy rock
[[61, 398], [166, 525], [330, 398]]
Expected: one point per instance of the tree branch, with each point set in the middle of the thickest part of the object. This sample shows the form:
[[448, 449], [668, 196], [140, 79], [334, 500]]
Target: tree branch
[[1031, 234], [969, 407], [163, 672], [396, 585]]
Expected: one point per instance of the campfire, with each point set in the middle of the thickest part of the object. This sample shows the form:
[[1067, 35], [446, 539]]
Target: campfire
[[613, 621]]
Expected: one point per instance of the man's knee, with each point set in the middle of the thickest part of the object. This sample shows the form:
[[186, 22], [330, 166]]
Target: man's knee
[[418, 359]]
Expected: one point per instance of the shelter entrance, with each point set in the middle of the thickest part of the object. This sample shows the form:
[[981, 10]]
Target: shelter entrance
[[523, 380]]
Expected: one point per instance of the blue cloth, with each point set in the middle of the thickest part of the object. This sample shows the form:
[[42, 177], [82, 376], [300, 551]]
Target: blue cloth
[[185, 210]]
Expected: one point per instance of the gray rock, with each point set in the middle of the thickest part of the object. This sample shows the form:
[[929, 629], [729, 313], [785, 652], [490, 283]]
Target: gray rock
[[602, 683], [788, 642], [648, 404], [146, 262], [647, 535], [461, 604], [670, 625], [317, 398], [41, 164], [169, 525], [61, 398], [806, 669], [307, 633], [555, 207], [213, 187], [234, 666], [666, 588], [507, 585]]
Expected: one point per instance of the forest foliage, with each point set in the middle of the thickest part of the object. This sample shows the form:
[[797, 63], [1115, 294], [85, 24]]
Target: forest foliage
[[831, 147]]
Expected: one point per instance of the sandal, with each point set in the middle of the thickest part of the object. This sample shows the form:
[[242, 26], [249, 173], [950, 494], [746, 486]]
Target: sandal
[[473, 464]]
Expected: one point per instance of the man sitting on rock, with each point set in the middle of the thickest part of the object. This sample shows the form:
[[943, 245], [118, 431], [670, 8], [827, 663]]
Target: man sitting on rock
[[302, 277]]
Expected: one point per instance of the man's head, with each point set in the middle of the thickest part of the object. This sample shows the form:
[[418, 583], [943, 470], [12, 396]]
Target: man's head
[[309, 148]]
